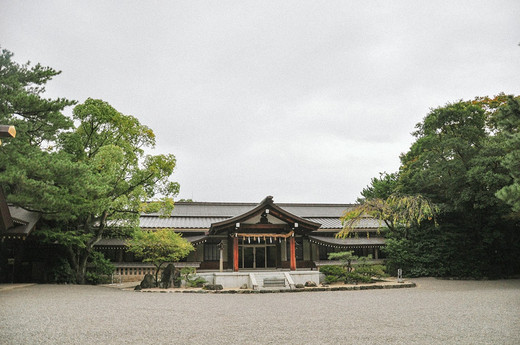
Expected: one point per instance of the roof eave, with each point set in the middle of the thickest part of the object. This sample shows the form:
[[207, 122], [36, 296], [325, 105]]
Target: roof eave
[[267, 203]]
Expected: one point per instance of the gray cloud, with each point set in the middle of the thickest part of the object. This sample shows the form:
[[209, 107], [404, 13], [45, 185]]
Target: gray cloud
[[302, 100]]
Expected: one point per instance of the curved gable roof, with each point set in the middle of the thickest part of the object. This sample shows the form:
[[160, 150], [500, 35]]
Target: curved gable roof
[[276, 211]]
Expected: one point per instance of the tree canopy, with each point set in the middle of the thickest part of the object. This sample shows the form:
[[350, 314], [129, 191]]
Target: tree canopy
[[508, 127], [452, 209], [159, 247], [89, 175]]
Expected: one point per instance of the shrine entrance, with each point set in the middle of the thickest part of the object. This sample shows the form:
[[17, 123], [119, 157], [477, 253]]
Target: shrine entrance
[[263, 237], [257, 256]]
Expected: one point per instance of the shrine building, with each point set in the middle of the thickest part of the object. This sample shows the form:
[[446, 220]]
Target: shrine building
[[239, 237]]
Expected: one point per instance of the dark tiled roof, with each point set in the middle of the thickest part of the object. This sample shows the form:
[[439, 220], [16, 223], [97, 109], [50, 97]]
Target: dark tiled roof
[[335, 223], [120, 242], [175, 222], [149, 222], [111, 242], [229, 209], [340, 242], [24, 222], [200, 215]]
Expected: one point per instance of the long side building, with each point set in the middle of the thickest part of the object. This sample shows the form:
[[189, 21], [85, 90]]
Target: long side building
[[248, 236]]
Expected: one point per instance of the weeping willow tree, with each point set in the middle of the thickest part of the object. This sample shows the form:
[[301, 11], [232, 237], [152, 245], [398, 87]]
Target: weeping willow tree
[[397, 212]]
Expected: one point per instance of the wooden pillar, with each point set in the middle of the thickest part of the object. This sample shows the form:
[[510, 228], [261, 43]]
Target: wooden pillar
[[292, 250], [235, 254]]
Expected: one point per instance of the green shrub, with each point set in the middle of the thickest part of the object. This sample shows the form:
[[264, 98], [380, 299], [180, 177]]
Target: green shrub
[[367, 269], [333, 273], [62, 273], [356, 277], [332, 270], [346, 259], [332, 279], [197, 282], [100, 269], [188, 274], [376, 271]]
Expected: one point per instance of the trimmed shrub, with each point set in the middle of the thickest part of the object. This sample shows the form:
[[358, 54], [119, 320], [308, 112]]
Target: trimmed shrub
[[332, 270], [333, 273], [196, 282], [100, 269], [355, 277], [62, 273], [332, 279]]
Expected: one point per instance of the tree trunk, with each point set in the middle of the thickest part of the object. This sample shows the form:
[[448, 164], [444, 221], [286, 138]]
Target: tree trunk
[[83, 253], [79, 263], [157, 274], [82, 267]]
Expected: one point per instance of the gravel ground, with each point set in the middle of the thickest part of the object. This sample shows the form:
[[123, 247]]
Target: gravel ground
[[435, 312]]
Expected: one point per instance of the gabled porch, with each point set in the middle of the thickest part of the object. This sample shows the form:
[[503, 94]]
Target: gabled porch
[[262, 238]]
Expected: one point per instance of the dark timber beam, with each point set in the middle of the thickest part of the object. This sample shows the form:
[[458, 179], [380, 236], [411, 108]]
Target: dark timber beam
[[6, 222], [7, 132]]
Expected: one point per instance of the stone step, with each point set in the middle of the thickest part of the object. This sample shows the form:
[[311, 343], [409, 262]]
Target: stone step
[[267, 280]]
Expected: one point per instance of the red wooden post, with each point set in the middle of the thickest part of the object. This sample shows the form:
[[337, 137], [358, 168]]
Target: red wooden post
[[235, 254], [292, 249]]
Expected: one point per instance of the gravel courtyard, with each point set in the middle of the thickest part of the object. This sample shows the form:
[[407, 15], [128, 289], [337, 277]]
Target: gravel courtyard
[[435, 312]]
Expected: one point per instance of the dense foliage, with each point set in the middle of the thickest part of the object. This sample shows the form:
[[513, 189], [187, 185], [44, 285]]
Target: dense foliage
[[100, 269], [465, 167], [159, 247], [354, 269], [87, 174]]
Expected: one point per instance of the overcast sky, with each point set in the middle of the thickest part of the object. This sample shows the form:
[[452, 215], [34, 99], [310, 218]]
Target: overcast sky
[[302, 100]]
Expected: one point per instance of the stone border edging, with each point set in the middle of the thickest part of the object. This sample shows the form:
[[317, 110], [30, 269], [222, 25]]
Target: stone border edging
[[308, 289]]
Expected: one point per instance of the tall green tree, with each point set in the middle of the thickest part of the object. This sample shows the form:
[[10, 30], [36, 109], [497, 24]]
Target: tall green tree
[[380, 187], [88, 175], [109, 178], [462, 172], [508, 126], [38, 120], [457, 163]]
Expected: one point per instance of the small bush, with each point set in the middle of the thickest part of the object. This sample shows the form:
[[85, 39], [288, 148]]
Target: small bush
[[332, 279], [188, 273], [332, 270], [62, 272], [376, 271], [355, 277], [100, 269], [333, 273], [197, 282], [346, 259]]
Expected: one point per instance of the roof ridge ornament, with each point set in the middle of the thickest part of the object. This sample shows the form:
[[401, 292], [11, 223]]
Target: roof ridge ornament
[[268, 199]]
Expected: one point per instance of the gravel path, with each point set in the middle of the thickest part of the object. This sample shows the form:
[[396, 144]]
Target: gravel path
[[435, 312]]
